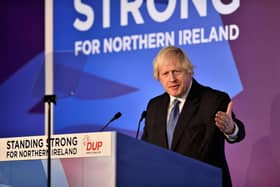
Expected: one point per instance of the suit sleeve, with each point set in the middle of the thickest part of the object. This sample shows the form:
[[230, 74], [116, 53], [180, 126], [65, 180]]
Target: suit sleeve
[[241, 129]]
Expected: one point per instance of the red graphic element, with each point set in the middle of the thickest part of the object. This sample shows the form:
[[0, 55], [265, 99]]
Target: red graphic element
[[94, 146]]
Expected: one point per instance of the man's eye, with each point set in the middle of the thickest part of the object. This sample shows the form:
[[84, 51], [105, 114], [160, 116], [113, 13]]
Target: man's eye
[[177, 71]]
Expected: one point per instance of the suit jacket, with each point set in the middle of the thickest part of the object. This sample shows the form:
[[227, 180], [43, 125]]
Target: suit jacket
[[196, 134]]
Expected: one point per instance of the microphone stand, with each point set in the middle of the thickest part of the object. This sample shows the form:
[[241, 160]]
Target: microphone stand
[[49, 99], [104, 127], [144, 113], [138, 128], [116, 116]]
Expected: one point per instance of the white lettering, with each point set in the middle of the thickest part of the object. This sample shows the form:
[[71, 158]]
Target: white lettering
[[201, 7], [226, 8], [132, 7], [233, 32], [202, 35], [213, 34], [135, 42], [87, 47], [106, 14], [85, 10], [160, 16]]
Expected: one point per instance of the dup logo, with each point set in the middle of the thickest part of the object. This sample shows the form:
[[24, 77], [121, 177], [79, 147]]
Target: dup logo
[[92, 146]]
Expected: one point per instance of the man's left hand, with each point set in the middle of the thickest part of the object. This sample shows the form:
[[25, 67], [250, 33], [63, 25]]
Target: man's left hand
[[224, 120]]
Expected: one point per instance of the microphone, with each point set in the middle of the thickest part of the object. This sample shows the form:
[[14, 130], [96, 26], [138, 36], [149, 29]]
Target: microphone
[[143, 115], [116, 116]]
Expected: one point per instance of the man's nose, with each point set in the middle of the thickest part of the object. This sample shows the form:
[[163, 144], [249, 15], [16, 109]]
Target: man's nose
[[172, 76]]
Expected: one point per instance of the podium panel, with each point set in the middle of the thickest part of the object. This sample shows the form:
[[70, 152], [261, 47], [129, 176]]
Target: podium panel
[[142, 164], [107, 159]]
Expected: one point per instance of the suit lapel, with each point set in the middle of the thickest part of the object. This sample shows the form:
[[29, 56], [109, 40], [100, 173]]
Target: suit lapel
[[162, 120], [188, 111]]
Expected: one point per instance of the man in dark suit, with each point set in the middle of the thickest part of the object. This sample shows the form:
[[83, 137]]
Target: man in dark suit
[[202, 117]]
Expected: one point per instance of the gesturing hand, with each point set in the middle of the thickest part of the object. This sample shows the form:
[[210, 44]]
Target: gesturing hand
[[224, 120]]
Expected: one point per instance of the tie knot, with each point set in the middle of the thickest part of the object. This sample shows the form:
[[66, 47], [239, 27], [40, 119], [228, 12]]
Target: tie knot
[[176, 102]]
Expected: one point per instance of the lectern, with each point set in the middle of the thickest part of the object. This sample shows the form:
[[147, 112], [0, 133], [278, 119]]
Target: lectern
[[105, 159]]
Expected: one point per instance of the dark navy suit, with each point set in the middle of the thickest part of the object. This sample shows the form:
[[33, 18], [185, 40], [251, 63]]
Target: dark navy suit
[[196, 134]]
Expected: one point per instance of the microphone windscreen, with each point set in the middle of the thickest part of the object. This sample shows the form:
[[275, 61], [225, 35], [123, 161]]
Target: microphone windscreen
[[117, 115]]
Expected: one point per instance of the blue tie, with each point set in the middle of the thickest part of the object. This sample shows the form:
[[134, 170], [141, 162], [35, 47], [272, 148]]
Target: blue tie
[[173, 117]]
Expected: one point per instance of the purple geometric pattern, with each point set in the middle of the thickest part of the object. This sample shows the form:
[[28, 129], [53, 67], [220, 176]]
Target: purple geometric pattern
[[256, 161]]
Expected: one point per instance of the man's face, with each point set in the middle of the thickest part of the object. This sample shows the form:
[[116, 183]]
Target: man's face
[[173, 78]]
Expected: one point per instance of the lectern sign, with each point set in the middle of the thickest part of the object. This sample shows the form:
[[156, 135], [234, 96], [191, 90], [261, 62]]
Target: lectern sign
[[62, 146]]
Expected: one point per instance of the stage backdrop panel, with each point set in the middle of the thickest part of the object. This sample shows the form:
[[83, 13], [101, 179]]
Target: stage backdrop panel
[[103, 55]]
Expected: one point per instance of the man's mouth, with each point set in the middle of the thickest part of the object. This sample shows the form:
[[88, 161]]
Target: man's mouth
[[174, 86]]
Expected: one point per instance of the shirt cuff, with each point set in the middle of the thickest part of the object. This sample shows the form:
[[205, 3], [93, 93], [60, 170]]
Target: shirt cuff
[[233, 136]]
